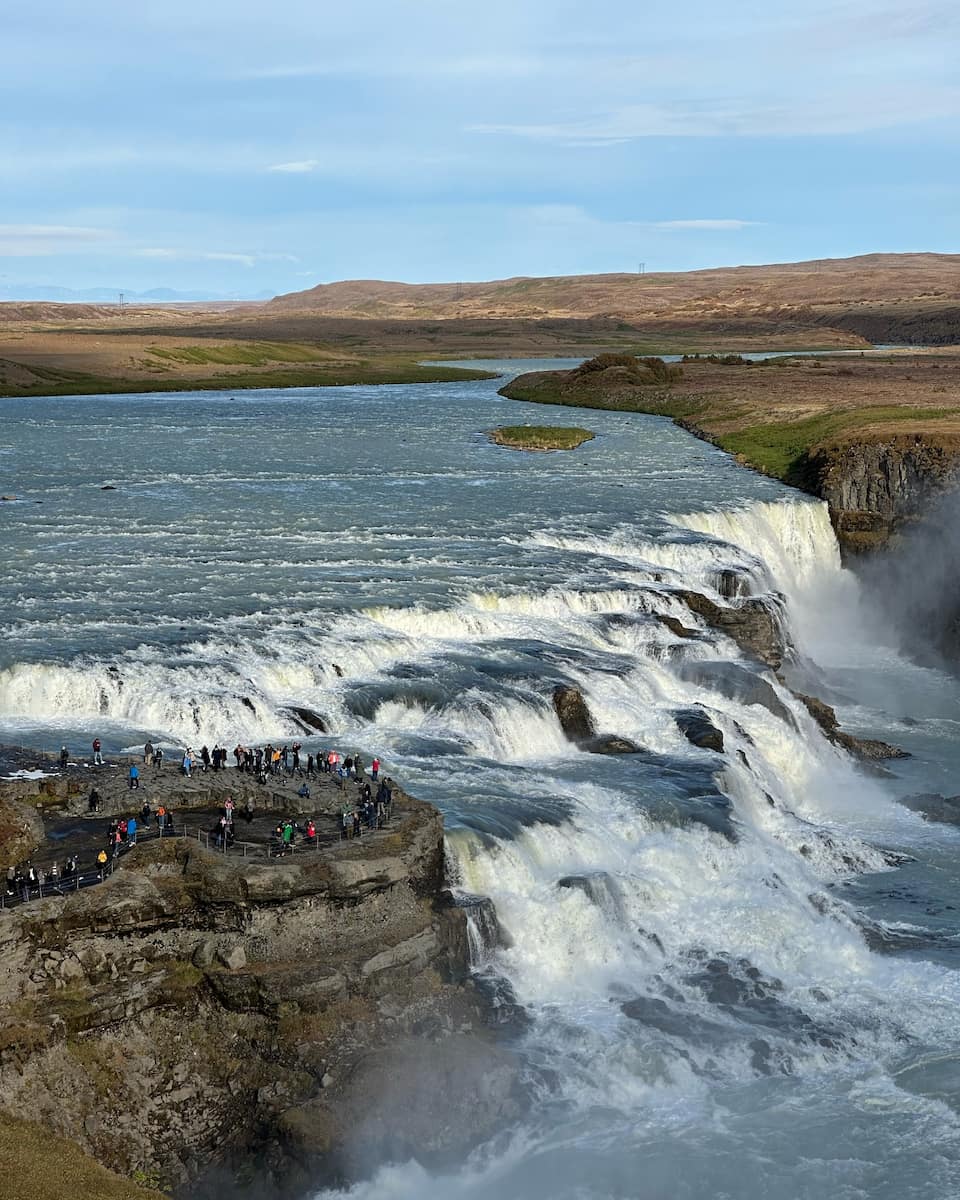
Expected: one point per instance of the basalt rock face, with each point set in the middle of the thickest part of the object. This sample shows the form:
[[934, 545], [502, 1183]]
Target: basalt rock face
[[753, 623], [195, 1008], [867, 749], [874, 488]]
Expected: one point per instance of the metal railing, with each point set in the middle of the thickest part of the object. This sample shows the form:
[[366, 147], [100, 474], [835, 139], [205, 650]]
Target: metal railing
[[24, 892]]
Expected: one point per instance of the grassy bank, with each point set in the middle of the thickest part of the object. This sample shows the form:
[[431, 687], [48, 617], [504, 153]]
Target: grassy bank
[[774, 417], [540, 437], [17, 380], [35, 1164]]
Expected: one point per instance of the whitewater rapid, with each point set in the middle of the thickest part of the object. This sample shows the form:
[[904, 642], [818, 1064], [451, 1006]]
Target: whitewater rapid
[[738, 969]]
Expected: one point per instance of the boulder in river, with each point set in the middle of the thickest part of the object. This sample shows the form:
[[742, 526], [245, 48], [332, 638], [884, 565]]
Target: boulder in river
[[573, 714], [307, 717], [697, 728], [612, 745]]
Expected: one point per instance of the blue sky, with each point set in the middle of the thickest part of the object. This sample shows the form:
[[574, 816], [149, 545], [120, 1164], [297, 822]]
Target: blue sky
[[240, 147]]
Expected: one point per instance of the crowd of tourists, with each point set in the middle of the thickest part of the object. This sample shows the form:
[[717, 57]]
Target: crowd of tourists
[[366, 807]]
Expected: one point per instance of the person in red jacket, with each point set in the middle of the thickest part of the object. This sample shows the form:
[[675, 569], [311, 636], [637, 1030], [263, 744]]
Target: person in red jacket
[[97, 756]]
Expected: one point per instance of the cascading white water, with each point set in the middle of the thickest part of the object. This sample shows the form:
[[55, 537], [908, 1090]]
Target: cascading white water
[[692, 933]]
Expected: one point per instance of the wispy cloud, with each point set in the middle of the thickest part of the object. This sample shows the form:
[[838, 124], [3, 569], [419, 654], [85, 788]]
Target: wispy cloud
[[852, 112], [708, 223], [28, 241], [302, 167], [498, 65], [224, 256]]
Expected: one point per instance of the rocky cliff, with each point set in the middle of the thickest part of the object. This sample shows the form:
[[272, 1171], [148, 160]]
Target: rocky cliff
[[875, 488], [275, 1021]]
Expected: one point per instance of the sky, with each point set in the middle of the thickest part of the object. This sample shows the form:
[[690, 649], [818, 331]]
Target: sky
[[243, 148]]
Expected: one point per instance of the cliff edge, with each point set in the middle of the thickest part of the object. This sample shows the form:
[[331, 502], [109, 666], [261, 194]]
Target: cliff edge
[[284, 1021]]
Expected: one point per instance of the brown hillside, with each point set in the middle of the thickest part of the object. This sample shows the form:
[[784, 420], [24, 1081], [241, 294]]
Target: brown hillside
[[823, 286]]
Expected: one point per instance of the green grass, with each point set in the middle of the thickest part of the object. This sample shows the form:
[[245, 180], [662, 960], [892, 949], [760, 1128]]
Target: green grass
[[50, 382], [37, 1164], [778, 449], [782, 450], [541, 437], [656, 401]]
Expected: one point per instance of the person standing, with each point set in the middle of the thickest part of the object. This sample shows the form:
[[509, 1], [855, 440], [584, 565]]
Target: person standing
[[64, 758], [375, 768], [131, 831], [148, 754], [134, 777], [97, 755]]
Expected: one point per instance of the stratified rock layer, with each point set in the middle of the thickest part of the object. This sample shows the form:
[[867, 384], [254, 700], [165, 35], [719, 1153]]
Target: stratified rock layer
[[196, 1007]]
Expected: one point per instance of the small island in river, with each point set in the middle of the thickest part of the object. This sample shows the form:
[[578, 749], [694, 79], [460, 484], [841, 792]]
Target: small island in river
[[540, 437]]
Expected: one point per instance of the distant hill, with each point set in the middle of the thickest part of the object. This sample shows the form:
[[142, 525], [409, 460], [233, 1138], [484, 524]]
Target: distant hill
[[874, 289]]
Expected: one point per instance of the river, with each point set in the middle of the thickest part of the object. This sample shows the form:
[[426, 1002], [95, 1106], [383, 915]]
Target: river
[[746, 985]]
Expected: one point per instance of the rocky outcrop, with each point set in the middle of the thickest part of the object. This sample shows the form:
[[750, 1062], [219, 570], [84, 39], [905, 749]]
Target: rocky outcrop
[[874, 488], [612, 745], [698, 729], [309, 721], [573, 714], [196, 1007], [867, 749], [578, 724], [753, 623], [738, 683], [21, 830]]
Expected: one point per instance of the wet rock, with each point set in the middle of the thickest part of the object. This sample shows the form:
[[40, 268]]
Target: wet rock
[[738, 683], [481, 913], [108, 487], [731, 583], [867, 749], [573, 714], [698, 729], [677, 627], [248, 703], [308, 718], [612, 745], [753, 623]]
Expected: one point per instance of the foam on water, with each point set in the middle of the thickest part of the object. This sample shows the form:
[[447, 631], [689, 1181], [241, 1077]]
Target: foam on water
[[686, 928]]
